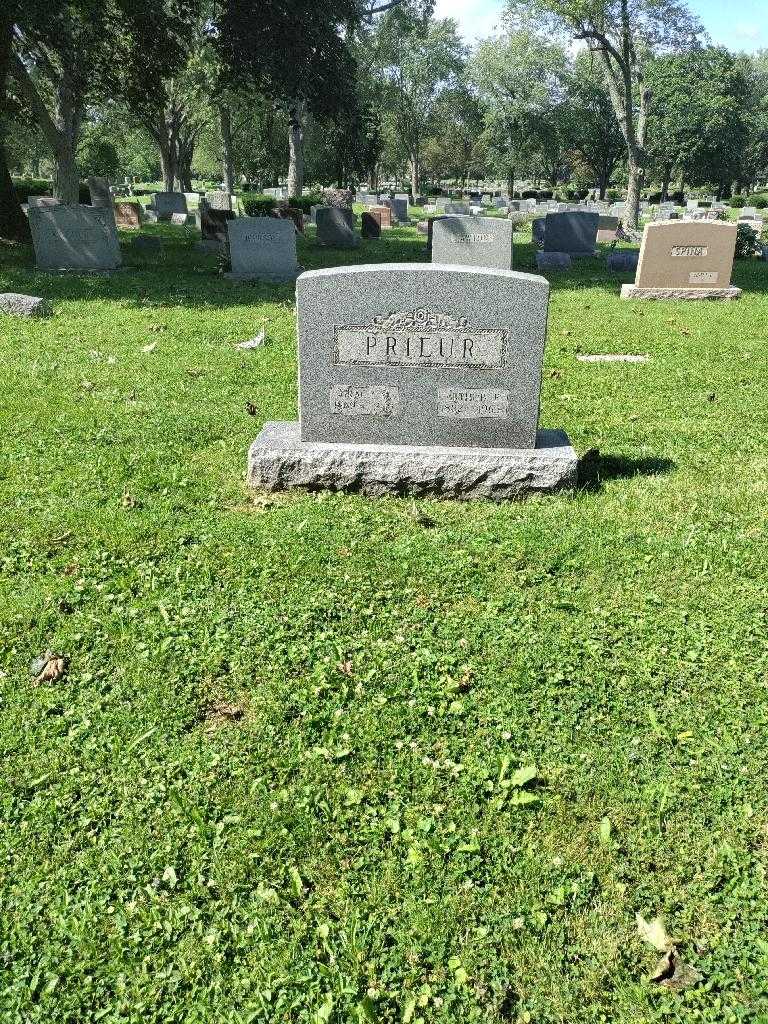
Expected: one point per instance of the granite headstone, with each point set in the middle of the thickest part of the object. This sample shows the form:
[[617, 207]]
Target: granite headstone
[[263, 249], [418, 379], [687, 259], [473, 242], [75, 238], [572, 233], [335, 228]]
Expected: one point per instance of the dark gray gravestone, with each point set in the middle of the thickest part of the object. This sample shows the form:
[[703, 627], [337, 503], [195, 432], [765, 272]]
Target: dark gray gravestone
[[623, 261], [369, 226], [165, 204], [572, 233], [473, 242], [262, 248], [335, 227], [537, 230], [74, 238], [101, 193], [418, 379]]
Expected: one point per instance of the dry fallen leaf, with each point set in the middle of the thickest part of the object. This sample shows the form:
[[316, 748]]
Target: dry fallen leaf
[[49, 667], [346, 668], [151, 347], [256, 342], [220, 712], [673, 973], [654, 933]]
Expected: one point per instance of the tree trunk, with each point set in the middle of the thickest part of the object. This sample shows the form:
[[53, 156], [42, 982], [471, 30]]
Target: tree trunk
[[634, 172], [666, 179], [227, 169], [13, 223], [296, 150], [414, 177], [69, 117]]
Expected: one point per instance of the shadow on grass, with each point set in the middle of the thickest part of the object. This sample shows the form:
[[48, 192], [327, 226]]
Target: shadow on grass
[[595, 469]]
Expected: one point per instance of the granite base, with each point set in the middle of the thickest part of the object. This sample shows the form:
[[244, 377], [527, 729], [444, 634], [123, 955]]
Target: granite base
[[279, 460], [631, 291]]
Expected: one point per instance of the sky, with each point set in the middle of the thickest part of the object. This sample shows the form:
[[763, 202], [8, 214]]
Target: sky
[[737, 24]]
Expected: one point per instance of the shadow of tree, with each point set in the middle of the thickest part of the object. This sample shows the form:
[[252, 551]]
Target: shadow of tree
[[595, 469]]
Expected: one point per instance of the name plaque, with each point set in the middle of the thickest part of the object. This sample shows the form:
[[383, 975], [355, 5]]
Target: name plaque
[[421, 338], [689, 250]]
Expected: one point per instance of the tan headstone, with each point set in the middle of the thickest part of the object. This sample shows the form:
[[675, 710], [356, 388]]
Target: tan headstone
[[128, 215], [383, 214], [685, 260]]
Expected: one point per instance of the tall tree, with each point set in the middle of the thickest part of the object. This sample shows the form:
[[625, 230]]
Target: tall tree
[[697, 126], [624, 35], [66, 55], [418, 59], [297, 54], [597, 142], [521, 78]]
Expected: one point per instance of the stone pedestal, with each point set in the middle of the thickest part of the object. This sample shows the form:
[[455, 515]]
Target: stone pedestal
[[279, 460], [631, 291]]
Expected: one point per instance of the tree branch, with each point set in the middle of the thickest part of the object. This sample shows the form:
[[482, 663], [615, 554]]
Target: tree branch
[[32, 96]]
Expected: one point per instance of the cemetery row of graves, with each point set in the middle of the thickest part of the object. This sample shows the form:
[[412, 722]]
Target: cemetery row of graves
[[290, 732]]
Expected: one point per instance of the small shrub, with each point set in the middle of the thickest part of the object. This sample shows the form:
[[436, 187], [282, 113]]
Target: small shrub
[[304, 203], [612, 195], [758, 200], [737, 202], [256, 205], [747, 243], [529, 194]]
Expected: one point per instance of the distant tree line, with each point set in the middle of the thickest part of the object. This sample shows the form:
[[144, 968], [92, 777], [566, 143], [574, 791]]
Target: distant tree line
[[626, 94]]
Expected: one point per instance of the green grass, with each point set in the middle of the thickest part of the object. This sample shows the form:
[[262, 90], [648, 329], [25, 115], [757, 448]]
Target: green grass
[[350, 848]]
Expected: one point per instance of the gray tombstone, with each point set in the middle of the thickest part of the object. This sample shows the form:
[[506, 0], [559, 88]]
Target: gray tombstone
[[572, 233], [101, 193], [33, 201], [473, 242], [418, 379], [623, 261], [537, 230], [165, 204], [335, 228], [262, 248], [75, 238], [457, 209], [219, 200], [14, 304]]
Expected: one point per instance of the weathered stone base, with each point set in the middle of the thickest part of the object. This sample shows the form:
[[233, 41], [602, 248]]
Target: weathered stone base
[[279, 460], [631, 291]]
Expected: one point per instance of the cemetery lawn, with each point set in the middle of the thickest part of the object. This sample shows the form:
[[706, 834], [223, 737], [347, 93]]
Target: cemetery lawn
[[330, 759]]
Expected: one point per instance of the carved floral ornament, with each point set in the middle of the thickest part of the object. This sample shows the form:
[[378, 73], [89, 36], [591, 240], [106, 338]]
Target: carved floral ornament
[[419, 320]]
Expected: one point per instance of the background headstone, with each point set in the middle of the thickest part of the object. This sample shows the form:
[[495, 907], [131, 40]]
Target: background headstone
[[370, 226], [473, 242], [572, 233], [262, 248], [335, 227], [74, 238], [13, 304], [128, 215], [165, 204], [101, 193]]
